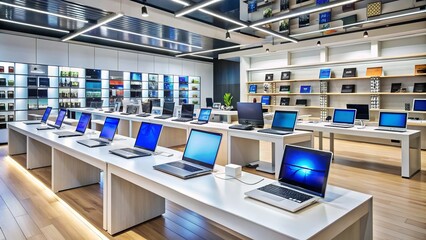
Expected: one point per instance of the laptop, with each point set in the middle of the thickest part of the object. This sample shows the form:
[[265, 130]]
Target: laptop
[[131, 109], [58, 122], [343, 118], [203, 116], [83, 122], [283, 123], [168, 109], [198, 158], [43, 119], [106, 136], [187, 113], [393, 121], [302, 180], [145, 144]]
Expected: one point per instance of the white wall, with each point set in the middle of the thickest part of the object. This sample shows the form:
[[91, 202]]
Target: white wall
[[34, 50]]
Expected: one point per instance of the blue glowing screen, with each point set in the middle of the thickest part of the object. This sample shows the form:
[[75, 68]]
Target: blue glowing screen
[[202, 147], [60, 118], [83, 122], [305, 169], [419, 105], [110, 126], [285, 120], [204, 115], [46, 114], [148, 136], [344, 116], [393, 119]]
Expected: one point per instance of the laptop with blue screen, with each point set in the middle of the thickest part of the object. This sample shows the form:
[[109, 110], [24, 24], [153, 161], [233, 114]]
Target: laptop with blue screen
[[106, 136], [283, 123], [43, 119], [302, 180], [58, 122], [83, 122], [145, 144], [203, 116], [393, 121], [343, 118], [198, 158]]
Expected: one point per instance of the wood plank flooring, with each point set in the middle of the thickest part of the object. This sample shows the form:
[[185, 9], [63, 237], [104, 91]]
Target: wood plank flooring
[[28, 211]]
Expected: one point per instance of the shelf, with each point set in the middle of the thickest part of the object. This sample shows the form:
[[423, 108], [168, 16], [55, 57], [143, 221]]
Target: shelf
[[335, 94], [295, 106]]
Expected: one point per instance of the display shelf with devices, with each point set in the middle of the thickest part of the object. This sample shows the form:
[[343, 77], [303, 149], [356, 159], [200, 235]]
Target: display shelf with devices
[[72, 83]]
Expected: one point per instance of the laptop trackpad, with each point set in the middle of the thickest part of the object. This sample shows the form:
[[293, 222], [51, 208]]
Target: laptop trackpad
[[272, 197]]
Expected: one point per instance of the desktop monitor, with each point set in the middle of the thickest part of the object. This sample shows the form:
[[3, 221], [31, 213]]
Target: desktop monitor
[[204, 114], [148, 136], [362, 111], [305, 169], [46, 114], [83, 122], [393, 120], [168, 108], [419, 105], [187, 111], [109, 128], [250, 113], [61, 117], [196, 150], [284, 120], [346, 116]]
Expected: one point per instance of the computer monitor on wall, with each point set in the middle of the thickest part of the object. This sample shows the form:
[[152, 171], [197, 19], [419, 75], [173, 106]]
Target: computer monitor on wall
[[362, 112]]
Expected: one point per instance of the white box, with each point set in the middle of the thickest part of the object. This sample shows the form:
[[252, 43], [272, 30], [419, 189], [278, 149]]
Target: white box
[[233, 170]]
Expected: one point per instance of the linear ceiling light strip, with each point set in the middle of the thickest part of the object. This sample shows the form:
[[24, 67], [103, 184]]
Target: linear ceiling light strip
[[147, 36], [275, 34], [205, 57], [34, 26], [195, 7], [130, 43], [44, 12], [109, 18], [208, 51]]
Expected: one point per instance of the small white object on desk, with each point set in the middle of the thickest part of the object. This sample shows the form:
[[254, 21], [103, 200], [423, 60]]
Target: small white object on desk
[[233, 170]]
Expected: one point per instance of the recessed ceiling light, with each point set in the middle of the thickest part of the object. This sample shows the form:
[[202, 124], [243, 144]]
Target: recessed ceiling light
[[267, 50], [34, 26], [144, 11]]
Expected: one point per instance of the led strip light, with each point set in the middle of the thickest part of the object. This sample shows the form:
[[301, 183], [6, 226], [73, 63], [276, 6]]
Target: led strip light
[[34, 26], [195, 7], [207, 51]]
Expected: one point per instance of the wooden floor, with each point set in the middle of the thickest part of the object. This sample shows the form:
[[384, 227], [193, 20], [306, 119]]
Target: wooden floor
[[28, 210]]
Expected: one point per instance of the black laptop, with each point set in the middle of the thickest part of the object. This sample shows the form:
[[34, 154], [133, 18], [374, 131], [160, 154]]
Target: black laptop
[[198, 158], [187, 113], [83, 122], [203, 116], [58, 122], [43, 119], [145, 144], [284, 123], [106, 136], [168, 109]]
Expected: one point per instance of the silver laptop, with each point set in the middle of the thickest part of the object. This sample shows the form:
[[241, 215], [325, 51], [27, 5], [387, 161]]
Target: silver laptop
[[393, 121], [343, 118], [283, 123], [106, 136], [198, 158], [302, 180], [145, 144], [187, 113], [203, 116], [43, 119], [58, 122], [83, 122]]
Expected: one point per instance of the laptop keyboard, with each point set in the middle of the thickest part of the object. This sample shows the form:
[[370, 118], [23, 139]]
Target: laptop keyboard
[[183, 119], [131, 150], [184, 166], [339, 125], [286, 193]]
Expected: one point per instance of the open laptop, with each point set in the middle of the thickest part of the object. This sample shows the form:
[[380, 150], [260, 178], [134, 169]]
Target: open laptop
[[343, 118], [43, 119], [58, 122], [83, 122], [145, 144], [393, 121], [131, 109], [203, 116], [187, 113], [106, 136], [302, 180], [168, 109], [284, 123], [198, 158]]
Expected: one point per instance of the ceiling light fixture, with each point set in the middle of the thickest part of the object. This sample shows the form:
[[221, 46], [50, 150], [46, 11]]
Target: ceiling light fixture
[[34, 26], [308, 10], [109, 18], [195, 7], [130, 43], [152, 37], [211, 50], [205, 57], [44, 12], [275, 34], [144, 11], [267, 50], [365, 34], [319, 43], [227, 35]]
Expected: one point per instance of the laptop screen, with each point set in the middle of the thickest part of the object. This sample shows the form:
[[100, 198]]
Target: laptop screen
[[198, 152], [187, 111], [109, 128], [305, 169], [344, 116], [168, 108], [204, 114], [148, 136], [83, 122], [284, 120], [393, 119], [61, 117], [419, 105], [46, 115]]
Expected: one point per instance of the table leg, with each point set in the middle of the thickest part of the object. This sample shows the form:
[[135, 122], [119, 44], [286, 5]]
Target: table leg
[[229, 119], [332, 142], [242, 151], [410, 156], [17, 143], [38, 154], [320, 140]]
